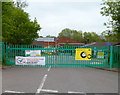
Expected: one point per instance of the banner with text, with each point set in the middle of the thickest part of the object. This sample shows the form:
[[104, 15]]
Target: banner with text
[[30, 60]]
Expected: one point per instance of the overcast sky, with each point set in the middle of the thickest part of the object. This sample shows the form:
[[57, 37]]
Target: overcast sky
[[56, 15]]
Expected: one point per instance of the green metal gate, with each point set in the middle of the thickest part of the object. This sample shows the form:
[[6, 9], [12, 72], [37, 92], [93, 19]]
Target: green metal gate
[[61, 56], [115, 57]]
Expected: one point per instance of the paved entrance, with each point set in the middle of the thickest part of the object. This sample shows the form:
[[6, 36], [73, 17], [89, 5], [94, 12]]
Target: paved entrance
[[59, 80]]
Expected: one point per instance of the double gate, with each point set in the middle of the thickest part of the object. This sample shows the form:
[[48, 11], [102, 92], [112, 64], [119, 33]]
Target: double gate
[[63, 56]]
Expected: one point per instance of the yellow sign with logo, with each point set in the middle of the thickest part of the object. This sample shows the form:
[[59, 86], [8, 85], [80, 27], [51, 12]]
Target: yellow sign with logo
[[83, 54]]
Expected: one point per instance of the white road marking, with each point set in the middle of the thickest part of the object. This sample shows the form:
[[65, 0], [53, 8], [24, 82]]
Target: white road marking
[[48, 90], [75, 92], [42, 84], [8, 91], [49, 68]]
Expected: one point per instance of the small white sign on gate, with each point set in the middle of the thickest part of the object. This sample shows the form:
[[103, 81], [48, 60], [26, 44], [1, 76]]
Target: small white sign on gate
[[30, 60], [32, 52]]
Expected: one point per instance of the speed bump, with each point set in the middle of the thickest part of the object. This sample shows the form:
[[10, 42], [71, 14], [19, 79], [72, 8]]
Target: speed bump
[[83, 54]]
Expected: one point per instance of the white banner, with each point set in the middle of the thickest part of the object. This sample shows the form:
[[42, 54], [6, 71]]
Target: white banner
[[32, 52], [30, 60]]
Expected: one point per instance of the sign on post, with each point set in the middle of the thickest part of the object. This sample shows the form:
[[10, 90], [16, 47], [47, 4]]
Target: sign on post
[[83, 54], [30, 60], [108, 44]]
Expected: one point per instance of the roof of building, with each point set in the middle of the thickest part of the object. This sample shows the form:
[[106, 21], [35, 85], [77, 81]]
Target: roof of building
[[66, 40], [103, 43], [71, 43], [37, 43], [45, 39]]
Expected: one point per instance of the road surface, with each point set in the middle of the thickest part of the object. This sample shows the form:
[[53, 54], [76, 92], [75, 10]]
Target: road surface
[[58, 80]]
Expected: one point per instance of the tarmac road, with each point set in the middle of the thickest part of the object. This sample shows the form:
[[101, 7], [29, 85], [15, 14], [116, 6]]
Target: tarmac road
[[58, 80]]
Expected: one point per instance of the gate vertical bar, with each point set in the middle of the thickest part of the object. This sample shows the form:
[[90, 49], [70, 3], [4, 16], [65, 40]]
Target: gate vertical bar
[[7, 55], [3, 49], [111, 57]]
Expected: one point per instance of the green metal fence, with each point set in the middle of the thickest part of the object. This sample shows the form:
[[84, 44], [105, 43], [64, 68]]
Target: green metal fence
[[2, 52], [115, 57], [62, 56], [65, 56]]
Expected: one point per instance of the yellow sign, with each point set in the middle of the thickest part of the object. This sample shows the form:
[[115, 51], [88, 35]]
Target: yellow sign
[[83, 54], [101, 53]]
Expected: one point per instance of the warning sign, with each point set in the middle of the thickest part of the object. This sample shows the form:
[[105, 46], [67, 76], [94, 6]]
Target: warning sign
[[83, 54]]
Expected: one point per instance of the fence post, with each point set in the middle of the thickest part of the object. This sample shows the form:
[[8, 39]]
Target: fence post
[[111, 57], [3, 49]]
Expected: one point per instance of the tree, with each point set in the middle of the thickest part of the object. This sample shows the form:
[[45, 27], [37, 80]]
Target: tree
[[16, 25], [86, 37], [50, 36], [107, 36], [20, 4], [96, 37], [91, 37], [40, 36], [111, 9], [72, 34]]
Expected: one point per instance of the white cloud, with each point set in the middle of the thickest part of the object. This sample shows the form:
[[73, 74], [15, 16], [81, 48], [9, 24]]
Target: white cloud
[[64, 0], [55, 16]]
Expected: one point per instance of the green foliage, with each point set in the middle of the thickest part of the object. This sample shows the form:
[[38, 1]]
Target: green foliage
[[109, 36], [86, 37], [111, 9], [72, 34], [50, 36], [91, 37], [40, 36], [17, 28], [20, 4]]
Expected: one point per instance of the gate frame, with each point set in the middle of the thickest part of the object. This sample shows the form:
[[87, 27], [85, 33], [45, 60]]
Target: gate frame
[[110, 55]]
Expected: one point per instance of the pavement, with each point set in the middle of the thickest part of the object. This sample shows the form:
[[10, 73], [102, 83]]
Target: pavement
[[58, 80]]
